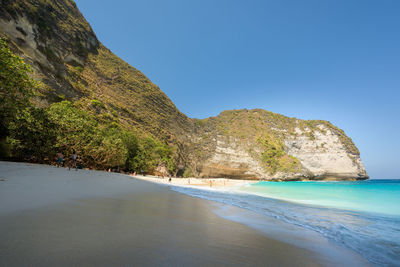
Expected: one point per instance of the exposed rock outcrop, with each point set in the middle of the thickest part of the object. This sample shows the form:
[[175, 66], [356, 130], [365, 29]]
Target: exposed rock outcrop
[[325, 156], [240, 142]]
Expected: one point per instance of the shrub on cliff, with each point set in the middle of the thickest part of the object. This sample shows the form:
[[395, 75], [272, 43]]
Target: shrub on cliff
[[36, 134], [275, 158], [32, 135], [146, 153], [16, 88]]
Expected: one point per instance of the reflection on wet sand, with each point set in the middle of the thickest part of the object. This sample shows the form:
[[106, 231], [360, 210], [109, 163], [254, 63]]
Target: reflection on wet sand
[[150, 226]]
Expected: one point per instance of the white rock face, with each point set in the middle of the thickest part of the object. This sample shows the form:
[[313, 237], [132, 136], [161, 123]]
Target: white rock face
[[324, 155], [230, 158]]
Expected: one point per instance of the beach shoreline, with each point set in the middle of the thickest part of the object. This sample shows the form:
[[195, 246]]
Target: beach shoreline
[[54, 217], [280, 230], [211, 183]]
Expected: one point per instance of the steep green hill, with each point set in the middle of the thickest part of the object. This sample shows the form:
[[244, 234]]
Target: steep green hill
[[57, 41]]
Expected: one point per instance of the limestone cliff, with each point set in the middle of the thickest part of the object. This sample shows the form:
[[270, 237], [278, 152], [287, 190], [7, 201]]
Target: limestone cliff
[[260, 144], [67, 57]]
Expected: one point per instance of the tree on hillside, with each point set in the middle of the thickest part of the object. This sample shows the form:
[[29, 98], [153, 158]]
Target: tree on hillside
[[32, 135], [16, 89], [36, 134]]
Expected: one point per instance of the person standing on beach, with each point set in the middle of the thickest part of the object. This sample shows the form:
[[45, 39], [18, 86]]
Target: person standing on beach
[[60, 159], [74, 158]]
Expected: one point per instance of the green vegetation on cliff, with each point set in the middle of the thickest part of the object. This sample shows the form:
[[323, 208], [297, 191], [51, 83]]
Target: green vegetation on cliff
[[36, 134], [79, 68], [275, 158], [263, 133], [16, 89], [254, 123]]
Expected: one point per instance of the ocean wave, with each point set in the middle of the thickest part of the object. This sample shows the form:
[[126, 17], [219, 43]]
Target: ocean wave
[[373, 236]]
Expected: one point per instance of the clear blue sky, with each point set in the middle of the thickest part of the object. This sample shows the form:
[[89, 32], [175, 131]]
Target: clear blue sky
[[337, 60]]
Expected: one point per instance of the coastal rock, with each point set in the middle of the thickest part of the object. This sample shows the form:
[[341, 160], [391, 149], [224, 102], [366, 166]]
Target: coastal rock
[[305, 150], [325, 156]]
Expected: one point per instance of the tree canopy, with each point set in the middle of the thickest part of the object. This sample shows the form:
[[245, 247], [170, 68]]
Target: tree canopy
[[37, 134]]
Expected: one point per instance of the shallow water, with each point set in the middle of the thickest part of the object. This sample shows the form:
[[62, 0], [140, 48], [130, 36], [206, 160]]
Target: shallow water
[[363, 216], [375, 196]]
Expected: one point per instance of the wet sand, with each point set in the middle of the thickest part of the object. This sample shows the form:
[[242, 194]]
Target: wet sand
[[54, 217]]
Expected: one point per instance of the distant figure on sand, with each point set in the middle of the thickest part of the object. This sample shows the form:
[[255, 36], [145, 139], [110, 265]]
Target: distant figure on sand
[[73, 164], [170, 179], [60, 159]]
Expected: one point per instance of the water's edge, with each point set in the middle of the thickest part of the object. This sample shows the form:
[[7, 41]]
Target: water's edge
[[370, 235]]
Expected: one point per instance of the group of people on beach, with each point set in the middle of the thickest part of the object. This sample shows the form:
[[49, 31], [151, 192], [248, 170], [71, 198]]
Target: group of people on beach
[[72, 162]]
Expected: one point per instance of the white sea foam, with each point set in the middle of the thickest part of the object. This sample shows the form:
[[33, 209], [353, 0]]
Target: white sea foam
[[373, 236]]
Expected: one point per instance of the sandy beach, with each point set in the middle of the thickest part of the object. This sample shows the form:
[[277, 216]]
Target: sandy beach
[[54, 217], [219, 183]]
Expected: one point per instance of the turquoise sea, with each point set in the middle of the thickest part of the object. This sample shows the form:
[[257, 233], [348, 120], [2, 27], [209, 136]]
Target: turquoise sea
[[363, 216], [372, 196]]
